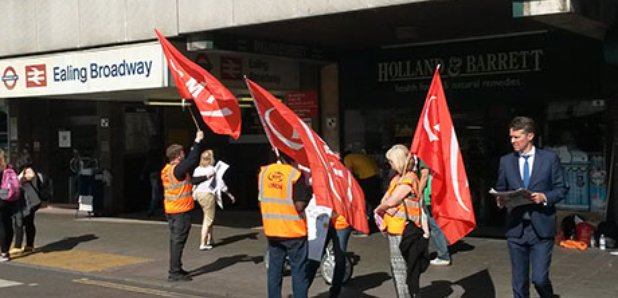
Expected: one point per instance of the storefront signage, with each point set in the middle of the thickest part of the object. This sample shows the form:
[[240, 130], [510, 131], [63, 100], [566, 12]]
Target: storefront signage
[[110, 69], [230, 68], [470, 71]]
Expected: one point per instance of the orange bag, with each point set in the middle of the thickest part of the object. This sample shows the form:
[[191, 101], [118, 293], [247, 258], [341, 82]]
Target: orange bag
[[574, 244]]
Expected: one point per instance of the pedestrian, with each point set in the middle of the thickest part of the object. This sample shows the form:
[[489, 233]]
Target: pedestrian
[[443, 257], [34, 191], [204, 194], [401, 206], [367, 173], [530, 229], [339, 231], [152, 169], [283, 196], [9, 193], [178, 201]]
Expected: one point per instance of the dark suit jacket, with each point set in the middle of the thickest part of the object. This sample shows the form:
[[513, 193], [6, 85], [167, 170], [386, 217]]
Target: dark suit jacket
[[546, 177]]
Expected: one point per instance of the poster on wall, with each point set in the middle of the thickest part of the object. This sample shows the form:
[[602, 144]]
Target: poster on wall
[[303, 103], [64, 139]]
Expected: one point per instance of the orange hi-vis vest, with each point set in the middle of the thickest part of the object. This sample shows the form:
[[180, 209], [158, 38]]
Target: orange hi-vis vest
[[339, 222], [395, 224], [178, 195], [279, 215]]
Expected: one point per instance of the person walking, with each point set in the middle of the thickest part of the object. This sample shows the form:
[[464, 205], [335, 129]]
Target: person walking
[[178, 201], [437, 238], [339, 232], [203, 193], [9, 193], [283, 196], [367, 173], [34, 192], [400, 204], [530, 229]]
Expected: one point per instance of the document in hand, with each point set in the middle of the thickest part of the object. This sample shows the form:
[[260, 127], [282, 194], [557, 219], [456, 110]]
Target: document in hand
[[513, 198]]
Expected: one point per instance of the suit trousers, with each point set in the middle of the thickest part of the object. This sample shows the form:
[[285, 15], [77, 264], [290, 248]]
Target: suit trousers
[[530, 250]]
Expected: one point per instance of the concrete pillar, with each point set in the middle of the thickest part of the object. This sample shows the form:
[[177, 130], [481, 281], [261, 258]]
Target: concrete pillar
[[329, 103]]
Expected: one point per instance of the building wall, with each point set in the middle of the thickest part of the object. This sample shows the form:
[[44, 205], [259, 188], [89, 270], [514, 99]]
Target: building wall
[[34, 26]]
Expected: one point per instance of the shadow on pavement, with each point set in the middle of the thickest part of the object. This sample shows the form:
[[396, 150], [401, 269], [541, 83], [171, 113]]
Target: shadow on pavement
[[235, 238], [66, 243], [460, 246], [225, 262], [359, 284], [476, 285]]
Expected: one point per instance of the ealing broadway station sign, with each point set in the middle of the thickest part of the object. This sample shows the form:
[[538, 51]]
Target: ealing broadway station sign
[[111, 69]]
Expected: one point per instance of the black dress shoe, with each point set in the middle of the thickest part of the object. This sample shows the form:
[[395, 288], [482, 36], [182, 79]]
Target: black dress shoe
[[183, 272], [174, 278]]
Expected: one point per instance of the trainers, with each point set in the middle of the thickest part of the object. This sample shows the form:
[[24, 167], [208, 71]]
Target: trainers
[[440, 262], [206, 247], [4, 257], [28, 249]]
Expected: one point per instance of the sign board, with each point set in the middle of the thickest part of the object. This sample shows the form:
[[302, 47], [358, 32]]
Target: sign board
[[64, 139], [110, 69], [303, 103], [270, 72]]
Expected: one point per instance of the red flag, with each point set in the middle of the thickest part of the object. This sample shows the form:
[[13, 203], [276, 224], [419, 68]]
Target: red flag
[[217, 105], [333, 184], [436, 144]]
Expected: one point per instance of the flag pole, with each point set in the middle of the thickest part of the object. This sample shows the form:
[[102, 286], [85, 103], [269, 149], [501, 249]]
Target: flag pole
[[188, 106], [262, 121]]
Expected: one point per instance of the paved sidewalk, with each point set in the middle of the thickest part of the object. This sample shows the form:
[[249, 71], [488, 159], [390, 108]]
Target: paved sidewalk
[[136, 250]]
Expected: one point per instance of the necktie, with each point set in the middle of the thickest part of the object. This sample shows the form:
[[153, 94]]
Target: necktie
[[526, 170]]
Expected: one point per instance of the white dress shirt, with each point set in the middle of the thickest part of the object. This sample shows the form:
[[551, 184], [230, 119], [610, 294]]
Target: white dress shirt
[[522, 160]]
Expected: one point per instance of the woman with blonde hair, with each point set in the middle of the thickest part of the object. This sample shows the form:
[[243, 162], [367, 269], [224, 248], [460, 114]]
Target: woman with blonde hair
[[401, 206], [204, 194]]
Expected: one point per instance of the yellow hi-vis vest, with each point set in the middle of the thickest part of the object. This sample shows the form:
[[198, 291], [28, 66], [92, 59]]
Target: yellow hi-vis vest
[[395, 224], [178, 195], [279, 215]]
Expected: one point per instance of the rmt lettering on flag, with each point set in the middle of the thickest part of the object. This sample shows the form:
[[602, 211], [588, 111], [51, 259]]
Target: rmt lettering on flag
[[217, 105]]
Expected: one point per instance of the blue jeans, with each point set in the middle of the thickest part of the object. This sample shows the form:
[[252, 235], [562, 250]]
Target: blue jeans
[[438, 239], [296, 249], [340, 246]]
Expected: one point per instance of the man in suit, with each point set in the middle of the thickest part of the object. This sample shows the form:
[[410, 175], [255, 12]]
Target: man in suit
[[530, 229]]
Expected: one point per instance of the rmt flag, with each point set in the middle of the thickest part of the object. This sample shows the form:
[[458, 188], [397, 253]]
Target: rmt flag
[[436, 144], [217, 105], [333, 185]]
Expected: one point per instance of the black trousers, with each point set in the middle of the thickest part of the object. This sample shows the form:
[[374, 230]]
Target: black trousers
[[180, 225], [25, 224], [6, 225]]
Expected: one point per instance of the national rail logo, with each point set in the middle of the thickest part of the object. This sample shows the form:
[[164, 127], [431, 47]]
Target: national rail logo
[[36, 76]]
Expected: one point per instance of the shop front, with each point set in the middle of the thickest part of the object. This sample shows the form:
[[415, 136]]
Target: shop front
[[553, 77]]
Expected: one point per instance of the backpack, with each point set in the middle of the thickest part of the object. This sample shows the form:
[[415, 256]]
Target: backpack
[[9, 188]]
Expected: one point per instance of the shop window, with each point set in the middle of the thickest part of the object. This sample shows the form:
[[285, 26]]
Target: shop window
[[577, 133]]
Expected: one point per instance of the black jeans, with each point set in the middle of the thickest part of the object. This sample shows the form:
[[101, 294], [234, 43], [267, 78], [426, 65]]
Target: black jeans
[[25, 223], [180, 225], [6, 225]]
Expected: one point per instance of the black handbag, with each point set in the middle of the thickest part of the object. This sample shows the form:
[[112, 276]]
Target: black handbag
[[412, 236]]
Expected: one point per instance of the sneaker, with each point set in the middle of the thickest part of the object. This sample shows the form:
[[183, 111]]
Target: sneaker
[[4, 257], [440, 262], [206, 247], [174, 278], [28, 249]]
